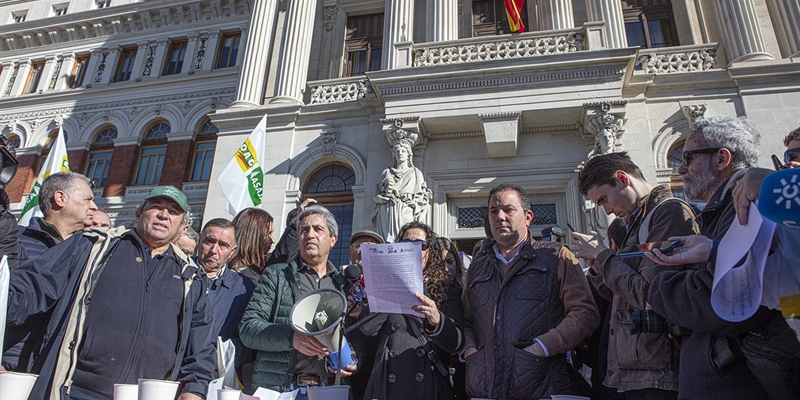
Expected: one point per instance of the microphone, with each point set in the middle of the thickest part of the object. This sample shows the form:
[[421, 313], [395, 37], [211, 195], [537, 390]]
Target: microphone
[[353, 274], [779, 199]]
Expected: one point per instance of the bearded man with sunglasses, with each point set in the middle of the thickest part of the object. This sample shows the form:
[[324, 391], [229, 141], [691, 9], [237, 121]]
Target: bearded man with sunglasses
[[716, 156], [791, 157]]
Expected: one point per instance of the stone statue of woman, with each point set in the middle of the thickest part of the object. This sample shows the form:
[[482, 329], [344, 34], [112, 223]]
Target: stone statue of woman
[[402, 194]]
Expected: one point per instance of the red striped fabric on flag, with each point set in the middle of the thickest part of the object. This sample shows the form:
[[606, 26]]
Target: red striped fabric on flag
[[514, 13]]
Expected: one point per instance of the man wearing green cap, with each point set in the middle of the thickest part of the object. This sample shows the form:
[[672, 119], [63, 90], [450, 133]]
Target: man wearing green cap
[[126, 305]]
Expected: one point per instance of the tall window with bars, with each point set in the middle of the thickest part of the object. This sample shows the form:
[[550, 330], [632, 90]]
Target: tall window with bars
[[177, 52], [363, 44], [125, 64], [229, 50], [34, 77], [79, 71], [649, 23], [151, 157]]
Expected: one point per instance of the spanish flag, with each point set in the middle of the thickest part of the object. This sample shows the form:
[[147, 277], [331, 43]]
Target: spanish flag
[[514, 11]]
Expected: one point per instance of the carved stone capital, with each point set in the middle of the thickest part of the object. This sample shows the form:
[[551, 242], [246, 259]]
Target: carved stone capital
[[407, 129], [693, 112], [330, 12]]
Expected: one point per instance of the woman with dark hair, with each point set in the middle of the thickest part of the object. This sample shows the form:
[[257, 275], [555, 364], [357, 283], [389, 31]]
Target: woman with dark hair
[[413, 353], [254, 228], [455, 272]]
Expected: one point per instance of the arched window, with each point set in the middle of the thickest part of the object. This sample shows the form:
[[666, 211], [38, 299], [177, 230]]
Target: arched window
[[204, 147], [100, 152], [674, 160], [332, 186], [158, 130], [151, 157]]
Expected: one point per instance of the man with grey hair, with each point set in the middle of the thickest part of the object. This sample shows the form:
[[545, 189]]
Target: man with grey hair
[[285, 359], [717, 154], [67, 203], [188, 241]]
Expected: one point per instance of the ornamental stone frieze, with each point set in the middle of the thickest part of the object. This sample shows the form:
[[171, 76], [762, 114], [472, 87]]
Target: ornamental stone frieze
[[339, 92], [603, 126], [490, 48], [679, 59]]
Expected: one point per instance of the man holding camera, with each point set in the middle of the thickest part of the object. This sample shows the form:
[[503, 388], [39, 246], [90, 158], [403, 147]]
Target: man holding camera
[[642, 362]]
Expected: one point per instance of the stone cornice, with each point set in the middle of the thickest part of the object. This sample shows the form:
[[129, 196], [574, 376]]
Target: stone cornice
[[130, 18]]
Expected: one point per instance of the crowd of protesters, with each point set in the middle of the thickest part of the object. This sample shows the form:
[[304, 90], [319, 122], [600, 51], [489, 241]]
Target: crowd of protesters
[[91, 305]]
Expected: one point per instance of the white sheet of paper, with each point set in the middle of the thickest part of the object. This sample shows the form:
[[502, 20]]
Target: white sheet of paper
[[266, 394], [736, 292], [5, 276], [392, 274]]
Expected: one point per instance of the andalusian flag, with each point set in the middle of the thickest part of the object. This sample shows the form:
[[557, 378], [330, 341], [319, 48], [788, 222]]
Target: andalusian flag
[[56, 162], [514, 13], [242, 180]]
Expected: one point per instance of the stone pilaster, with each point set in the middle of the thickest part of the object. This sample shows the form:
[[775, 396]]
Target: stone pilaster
[[52, 65], [555, 14], [142, 56], [191, 52], [254, 66], [741, 34], [786, 19], [398, 27], [442, 20], [9, 70], [64, 75], [112, 59], [611, 13], [295, 52], [161, 57], [23, 72]]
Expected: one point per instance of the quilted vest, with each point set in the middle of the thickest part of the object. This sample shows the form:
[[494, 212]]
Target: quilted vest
[[508, 314]]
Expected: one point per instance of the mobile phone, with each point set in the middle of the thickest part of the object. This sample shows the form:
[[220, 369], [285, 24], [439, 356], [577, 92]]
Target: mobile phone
[[665, 250], [570, 227], [776, 162]]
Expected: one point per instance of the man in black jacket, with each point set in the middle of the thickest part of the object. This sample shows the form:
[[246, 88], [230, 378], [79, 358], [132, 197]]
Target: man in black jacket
[[126, 305], [716, 156]]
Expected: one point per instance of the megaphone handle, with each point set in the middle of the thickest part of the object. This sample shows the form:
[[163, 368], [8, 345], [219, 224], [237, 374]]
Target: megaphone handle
[[338, 380]]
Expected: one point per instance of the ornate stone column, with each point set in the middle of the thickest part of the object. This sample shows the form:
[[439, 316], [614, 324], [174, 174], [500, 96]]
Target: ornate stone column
[[67, 66], [555, 14], [398, 27], [741, 34], [253, 75], [609, 11], [786, 18], [442, 20], [295, 52]]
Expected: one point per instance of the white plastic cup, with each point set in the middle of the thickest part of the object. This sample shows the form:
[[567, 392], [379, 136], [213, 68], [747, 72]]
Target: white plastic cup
[[328, 393], [16, 385], [228, 394], [154, 389], [126, 391]]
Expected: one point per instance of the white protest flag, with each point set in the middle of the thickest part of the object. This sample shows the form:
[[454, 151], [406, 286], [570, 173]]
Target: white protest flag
[[56, 162], [242, 180], [5, 277]]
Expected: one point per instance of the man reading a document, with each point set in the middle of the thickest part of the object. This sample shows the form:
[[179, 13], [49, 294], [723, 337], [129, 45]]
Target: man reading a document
[[285, 359], [526, 303]]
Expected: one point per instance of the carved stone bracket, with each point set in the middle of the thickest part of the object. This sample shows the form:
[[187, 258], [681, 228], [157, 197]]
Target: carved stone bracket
[[693, 112], [501, 131], [330, 12], [603, 126], [329, 141]]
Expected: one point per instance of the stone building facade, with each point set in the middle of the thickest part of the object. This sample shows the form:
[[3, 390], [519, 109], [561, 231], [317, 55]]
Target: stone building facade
[[336, 78]]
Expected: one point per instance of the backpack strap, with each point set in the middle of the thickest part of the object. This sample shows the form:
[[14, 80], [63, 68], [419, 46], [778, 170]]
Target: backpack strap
[[644, 228]]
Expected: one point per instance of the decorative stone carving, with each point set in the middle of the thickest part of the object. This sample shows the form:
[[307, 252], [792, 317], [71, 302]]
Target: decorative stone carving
[[11, 80], [330, 17], [679, 59], [101, 67], [498, 50], [402, 195], [694, 112], [201, 55], [329, 141], [341, 92], [131, 113], [54, 75], [603, 125], [148, 62]]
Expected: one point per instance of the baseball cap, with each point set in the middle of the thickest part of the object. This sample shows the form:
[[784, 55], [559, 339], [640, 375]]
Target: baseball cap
[[169, 192], [367, 233]]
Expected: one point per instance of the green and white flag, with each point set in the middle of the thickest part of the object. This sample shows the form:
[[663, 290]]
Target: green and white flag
[[242, 180], [56, 162]]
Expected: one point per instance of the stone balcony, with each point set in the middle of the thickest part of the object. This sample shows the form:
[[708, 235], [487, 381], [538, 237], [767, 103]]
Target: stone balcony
[[340, 90], [678, 59]]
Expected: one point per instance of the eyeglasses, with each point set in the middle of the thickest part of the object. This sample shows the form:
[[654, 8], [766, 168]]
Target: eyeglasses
[[787, 155], [420, 241], [688, 155]]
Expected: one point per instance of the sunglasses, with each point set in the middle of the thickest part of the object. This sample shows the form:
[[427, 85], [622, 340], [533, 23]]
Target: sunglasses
[[787, 155], [420, 241], [688, 155]]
